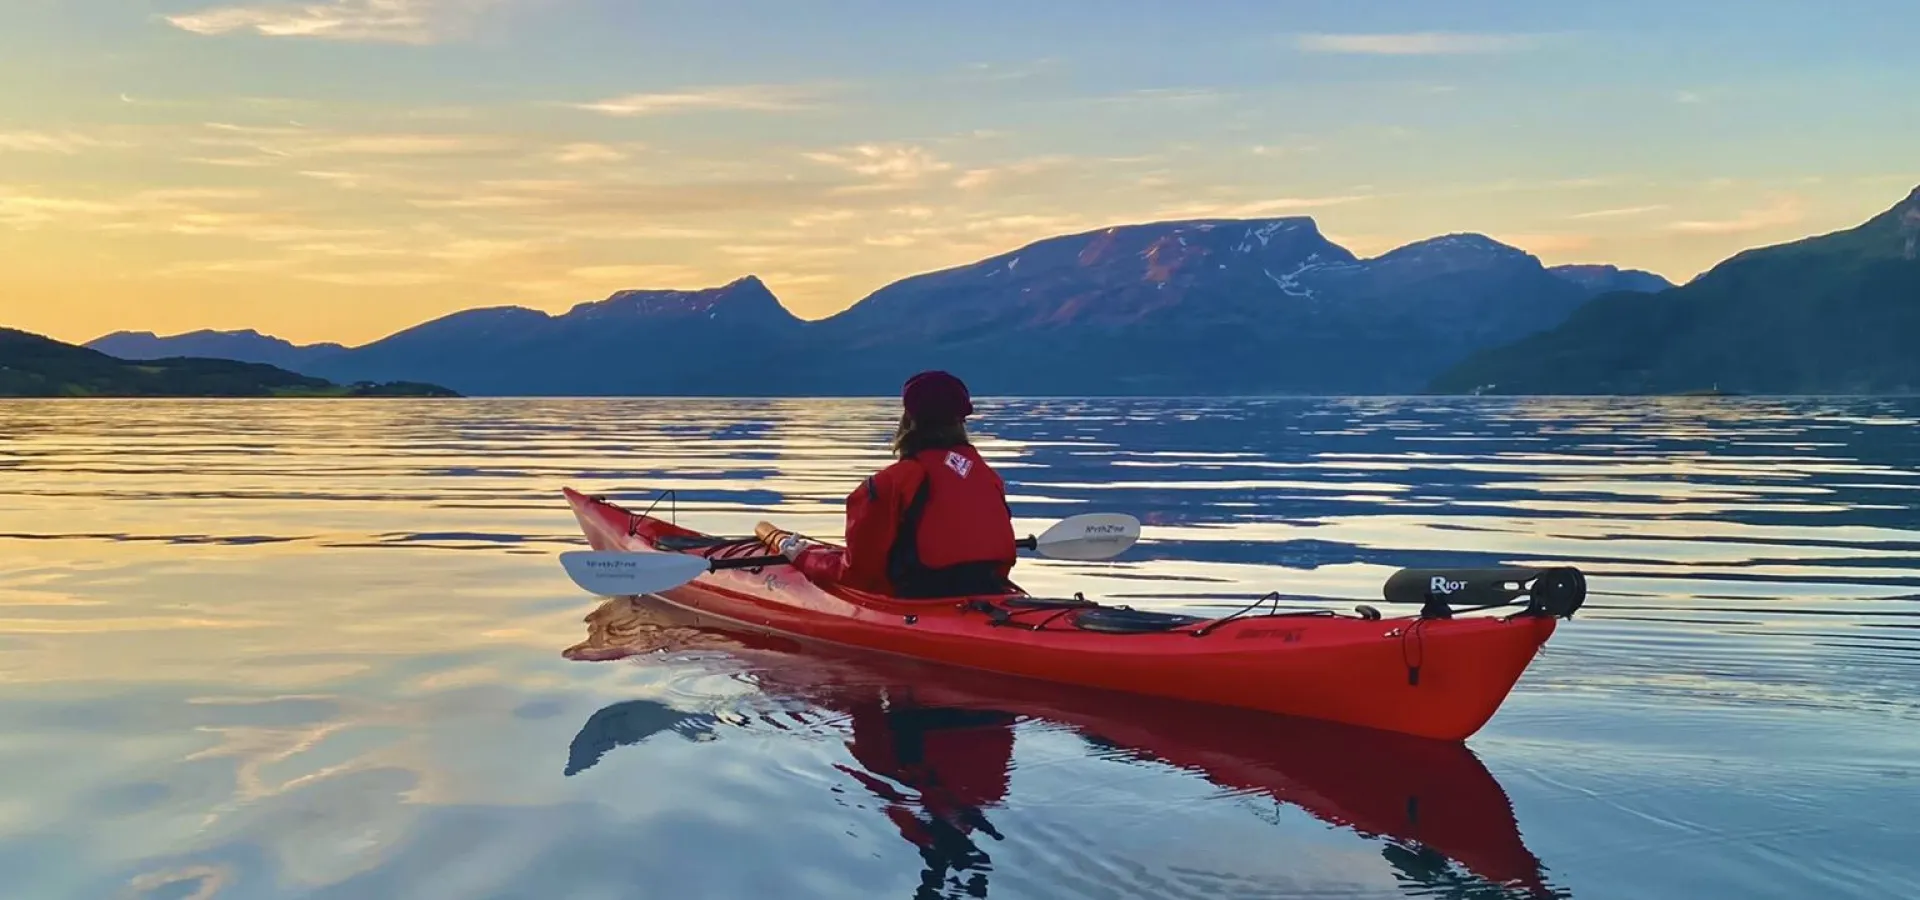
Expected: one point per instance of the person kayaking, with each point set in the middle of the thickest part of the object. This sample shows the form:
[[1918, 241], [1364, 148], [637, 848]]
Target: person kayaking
[[935, 523]]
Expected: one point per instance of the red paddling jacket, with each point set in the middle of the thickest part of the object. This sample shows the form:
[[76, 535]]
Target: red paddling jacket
[[935, 524]]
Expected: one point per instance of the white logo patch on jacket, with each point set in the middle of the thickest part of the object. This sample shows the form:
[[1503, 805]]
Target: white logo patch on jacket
[[959, 463]]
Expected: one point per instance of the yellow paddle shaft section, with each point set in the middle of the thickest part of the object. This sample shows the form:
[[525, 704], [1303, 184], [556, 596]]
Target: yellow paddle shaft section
[[770, 536]]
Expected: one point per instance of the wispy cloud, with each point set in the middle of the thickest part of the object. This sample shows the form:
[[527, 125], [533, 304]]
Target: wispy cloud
[[335, 178], [892, 163], [397, 278], [619, 229], [602, 207], [741, 97], [1257, 208], [823, 217], [792, 252], [394, 257], [407, 144], [975, 179], [1782, 212], [990, 71], [227, 213], [1526, 185], [1289, 149], [23, 210], [1620, 212], [349, 250], [257, 146], [1545, 243], [650, 276], [454, 249], [1429, 43], [780, 281], [1161, 96], [297, 141], [585, 153], [65, 143], [380, 21], [205, 268], [233, 162], [959, 235]]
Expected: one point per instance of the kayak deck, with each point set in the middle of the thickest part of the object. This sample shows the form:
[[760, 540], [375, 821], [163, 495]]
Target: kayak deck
[[1436, 677]]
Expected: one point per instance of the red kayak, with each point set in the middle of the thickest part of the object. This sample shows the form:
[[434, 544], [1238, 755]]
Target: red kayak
[[948, 735], [1431, 674]]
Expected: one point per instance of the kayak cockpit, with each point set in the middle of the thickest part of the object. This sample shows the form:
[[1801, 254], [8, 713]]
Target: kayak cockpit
[[1113, 620], [1079, 613]]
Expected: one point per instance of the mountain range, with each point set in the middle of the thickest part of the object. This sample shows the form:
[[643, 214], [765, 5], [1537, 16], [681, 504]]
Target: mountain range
[[1208, 306], [1833, 314], [33, 365], [243, 346]]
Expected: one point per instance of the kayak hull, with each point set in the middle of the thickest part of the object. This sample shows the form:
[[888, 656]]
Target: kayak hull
[[1434, 678]]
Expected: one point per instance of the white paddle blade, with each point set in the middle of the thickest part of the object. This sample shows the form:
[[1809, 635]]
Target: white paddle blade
[[1089, 537], [608, 573]]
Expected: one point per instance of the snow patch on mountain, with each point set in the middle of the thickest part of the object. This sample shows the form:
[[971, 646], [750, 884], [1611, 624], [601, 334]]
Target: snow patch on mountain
[[1290, 282], [1264, 233]]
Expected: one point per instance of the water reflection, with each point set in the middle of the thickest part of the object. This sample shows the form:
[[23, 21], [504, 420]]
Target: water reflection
[[935, 748], [306, 649]]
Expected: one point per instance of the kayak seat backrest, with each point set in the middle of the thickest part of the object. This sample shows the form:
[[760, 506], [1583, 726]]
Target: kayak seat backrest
[[1465, 587], [1131, 621], [1559, 590]]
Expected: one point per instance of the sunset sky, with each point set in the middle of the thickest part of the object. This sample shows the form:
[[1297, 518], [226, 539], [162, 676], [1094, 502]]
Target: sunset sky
[[340, 170]]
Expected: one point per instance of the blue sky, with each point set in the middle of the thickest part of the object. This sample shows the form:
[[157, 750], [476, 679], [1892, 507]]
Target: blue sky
[[338, 170]]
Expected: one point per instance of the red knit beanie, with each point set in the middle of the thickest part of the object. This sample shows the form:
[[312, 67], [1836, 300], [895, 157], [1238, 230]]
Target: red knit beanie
[[936, 397]]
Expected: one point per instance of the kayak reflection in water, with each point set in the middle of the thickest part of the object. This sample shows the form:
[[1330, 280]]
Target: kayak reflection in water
[[935, 746], [955, 762], [935, 523]]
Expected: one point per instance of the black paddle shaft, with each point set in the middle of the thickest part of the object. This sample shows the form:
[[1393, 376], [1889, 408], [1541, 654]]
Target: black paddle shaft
[[747, 562], [754, 562]]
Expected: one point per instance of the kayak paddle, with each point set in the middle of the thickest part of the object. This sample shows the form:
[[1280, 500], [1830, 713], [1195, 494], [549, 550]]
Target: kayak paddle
[[1090, 536], [623, 573]]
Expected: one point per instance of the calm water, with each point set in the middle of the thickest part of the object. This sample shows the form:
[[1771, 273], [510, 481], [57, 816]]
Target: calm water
[[323, 649]]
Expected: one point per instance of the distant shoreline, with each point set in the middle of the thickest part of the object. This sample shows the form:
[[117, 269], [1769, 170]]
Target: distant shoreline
[[34, 366]]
